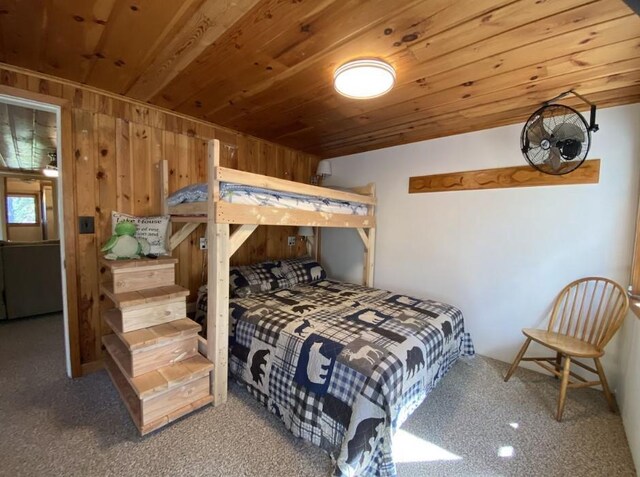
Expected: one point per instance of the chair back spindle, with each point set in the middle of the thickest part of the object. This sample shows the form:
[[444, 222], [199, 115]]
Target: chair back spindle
[[590, 309]]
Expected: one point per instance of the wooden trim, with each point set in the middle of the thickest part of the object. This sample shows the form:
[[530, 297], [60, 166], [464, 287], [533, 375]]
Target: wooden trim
[[92, 367], [502, 178], [235, 176], [30, 95], [69, 214], [228, 213]]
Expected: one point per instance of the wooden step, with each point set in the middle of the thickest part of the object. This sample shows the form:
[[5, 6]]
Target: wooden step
[[154, 336], [144, 360], [113, 265], [144, 297], [142, 274], [136, 318], [144, 308], [162, 379], [157, 410]]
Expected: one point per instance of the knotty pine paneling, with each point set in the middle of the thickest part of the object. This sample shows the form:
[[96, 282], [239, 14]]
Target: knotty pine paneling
[[117, 147]]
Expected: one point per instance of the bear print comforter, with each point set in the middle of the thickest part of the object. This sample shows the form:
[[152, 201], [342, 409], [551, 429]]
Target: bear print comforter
[[344, 365]]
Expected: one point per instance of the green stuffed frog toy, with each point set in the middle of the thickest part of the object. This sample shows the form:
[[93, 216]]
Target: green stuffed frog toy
[[124, 245]]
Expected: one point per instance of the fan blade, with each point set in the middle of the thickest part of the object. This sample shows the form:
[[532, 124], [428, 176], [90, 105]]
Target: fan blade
[[536, 131], [555, 159], [565, 131]]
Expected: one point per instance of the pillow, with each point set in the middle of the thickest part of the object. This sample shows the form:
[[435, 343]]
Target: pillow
[[259, 278], [303, 270], [154, 229]]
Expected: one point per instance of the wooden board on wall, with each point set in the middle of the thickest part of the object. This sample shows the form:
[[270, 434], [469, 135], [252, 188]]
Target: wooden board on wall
[[116, 147], [503, 178]]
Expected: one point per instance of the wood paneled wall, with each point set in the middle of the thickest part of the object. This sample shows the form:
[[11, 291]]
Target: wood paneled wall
[[117, 146]]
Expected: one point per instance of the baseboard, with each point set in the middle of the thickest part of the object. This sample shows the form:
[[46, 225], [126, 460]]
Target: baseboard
[[91, 367]]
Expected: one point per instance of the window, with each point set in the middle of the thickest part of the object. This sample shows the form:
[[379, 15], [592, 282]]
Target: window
[[22, 209]]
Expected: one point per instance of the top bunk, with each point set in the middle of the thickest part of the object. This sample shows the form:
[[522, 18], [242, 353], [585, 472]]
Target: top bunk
[[232, 196]]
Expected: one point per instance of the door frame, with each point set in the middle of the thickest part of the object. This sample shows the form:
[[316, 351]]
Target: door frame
[[67, 227]]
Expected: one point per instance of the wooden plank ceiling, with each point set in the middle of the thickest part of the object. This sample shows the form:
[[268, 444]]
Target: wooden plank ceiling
[[265, 67], [27, 136]]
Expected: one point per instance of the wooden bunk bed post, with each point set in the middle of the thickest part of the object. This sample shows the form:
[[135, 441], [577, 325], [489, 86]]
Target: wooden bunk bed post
[[368, 239], [369, 257], [218, 284]]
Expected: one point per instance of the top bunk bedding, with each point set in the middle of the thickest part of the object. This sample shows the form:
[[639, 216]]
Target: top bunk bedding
[[343, 365], [248, 195]]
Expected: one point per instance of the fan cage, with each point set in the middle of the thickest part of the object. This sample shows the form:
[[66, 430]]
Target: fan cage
[[537, 162]]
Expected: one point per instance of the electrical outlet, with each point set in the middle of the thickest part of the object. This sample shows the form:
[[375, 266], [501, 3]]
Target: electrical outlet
[[86, 225], [291, 241], [203, 243]]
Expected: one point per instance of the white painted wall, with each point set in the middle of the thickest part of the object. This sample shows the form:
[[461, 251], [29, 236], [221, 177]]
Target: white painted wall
[[501, 255]]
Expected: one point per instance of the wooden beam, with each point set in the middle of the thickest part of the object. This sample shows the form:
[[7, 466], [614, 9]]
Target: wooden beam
[[363, 237], [227, 213], [502, 178], [203, 28], [239, 236], [218, 284], [177, 238]]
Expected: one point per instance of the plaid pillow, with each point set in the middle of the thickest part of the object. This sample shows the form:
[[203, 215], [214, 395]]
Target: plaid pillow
[[258, 278], [303, 270]]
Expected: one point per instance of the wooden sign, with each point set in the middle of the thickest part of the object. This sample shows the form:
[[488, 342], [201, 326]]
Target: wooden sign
[[502, 178]]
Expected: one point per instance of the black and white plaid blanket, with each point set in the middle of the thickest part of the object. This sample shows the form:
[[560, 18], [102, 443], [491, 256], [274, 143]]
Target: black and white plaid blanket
[[344, 365]]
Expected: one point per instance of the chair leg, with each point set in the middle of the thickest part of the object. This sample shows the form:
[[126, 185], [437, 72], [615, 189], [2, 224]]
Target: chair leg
[[563, 387], [605, 385], [558, 364], [517, 359]]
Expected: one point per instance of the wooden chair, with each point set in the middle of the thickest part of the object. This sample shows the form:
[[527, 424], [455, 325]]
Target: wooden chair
[[585, 316]]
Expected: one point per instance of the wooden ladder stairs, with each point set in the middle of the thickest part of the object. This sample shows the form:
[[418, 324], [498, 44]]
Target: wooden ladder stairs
[[152, 356]]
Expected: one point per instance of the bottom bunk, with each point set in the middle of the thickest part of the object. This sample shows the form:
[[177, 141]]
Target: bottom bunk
[[341, 365]]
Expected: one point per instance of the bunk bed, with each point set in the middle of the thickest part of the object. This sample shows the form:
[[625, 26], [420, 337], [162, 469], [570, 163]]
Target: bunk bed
[[393, 348]]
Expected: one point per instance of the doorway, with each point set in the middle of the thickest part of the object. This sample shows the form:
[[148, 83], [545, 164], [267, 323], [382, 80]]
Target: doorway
[[32, 252]]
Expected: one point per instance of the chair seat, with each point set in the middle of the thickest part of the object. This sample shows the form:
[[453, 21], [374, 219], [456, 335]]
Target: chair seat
[[564, 344]]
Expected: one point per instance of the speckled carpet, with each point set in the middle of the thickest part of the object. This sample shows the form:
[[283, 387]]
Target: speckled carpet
[[472, 424]]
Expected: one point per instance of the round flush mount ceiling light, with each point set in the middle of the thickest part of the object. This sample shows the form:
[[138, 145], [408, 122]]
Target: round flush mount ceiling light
[[364, 79]]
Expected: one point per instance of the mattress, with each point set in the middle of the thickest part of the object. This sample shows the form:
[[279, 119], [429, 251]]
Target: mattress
[[343, 365], [241, 194]]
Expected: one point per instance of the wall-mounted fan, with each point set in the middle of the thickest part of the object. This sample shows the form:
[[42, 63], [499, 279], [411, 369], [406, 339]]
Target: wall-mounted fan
[[556, 138]]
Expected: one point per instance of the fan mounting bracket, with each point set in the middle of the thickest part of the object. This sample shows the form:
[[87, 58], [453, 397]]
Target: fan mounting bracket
[[593, 127]]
